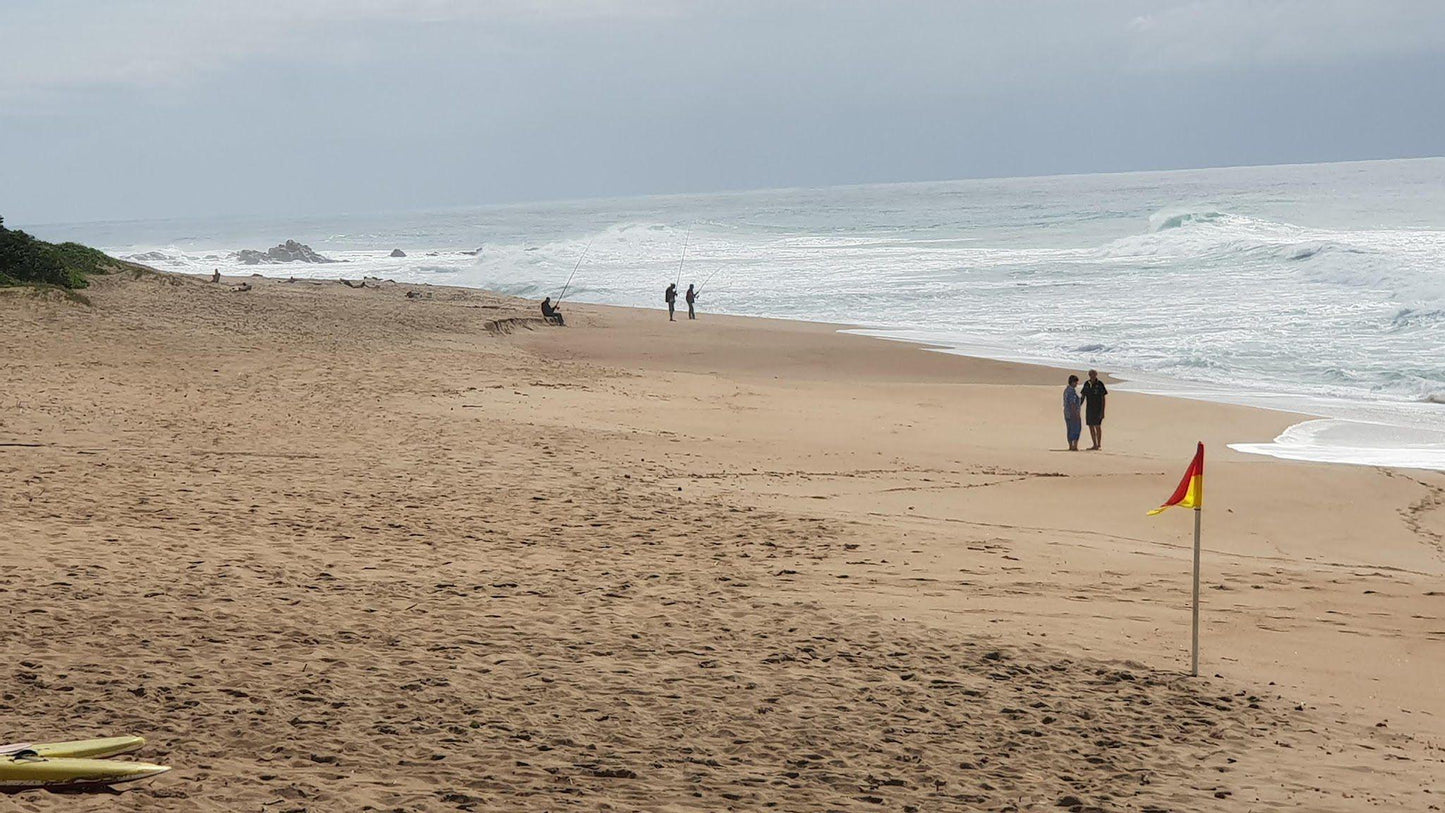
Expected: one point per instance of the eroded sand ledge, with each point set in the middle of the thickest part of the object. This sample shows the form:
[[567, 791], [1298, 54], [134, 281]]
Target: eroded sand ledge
[[340, 549]]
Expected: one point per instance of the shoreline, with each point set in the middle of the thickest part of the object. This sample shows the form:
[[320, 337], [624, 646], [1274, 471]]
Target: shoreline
[[1410, 447], [737, 562], [1353, 436], [1413, 446]]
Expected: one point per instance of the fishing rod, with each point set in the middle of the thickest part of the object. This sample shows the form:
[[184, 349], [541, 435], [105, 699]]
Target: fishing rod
[[684, 256], [706, 281], [574, 270]]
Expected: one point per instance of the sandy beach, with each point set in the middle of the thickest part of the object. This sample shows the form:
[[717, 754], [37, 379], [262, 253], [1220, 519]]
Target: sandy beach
[[331, 548]]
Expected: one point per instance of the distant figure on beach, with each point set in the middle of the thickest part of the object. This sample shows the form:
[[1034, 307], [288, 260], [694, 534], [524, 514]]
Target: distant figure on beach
[[1071, 413], [1093, 393], [691, 298], [216, 275], [670, 297], [550, 312]]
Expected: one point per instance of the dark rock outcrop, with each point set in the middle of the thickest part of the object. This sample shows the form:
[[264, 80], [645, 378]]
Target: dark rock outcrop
[[150, 257], [288, 252], [396, 252]]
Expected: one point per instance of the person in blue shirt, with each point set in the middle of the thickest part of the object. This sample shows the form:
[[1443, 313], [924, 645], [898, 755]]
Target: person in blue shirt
[[1072, 422]]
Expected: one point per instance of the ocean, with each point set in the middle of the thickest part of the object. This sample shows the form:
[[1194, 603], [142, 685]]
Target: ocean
[[1311, 288]]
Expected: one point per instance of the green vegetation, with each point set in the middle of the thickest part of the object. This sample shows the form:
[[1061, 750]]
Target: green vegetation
[[25, 260]]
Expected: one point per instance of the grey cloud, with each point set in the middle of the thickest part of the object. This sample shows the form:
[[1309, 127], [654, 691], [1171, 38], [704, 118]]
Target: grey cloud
[[167, 43], [80, 43], [125, 108], [1250, 32]]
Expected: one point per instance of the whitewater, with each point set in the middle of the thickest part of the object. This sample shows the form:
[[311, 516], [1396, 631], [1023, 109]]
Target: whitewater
[[1317, 289]]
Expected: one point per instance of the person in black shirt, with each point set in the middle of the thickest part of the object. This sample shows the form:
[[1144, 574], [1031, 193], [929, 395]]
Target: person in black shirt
[[1093, 393], [691, 298], [550, 312]]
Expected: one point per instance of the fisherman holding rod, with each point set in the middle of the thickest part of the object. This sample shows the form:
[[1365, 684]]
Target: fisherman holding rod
[[552, 313], [693, 294], [670, 295]]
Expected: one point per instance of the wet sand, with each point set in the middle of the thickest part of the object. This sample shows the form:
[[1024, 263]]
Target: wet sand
[[338, 549]]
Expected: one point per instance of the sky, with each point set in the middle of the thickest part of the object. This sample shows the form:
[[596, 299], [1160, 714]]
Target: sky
[[136, 109]]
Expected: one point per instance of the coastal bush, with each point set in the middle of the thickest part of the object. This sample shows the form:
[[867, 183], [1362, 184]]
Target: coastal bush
[[24, 260]]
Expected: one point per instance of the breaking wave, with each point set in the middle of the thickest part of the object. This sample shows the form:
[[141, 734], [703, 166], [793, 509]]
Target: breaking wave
[[1215, 235], [1173, 219], [1405, 264]]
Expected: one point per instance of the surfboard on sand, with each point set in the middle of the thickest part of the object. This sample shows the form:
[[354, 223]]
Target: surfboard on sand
[[72, 764], [81, 749], [25, 770]]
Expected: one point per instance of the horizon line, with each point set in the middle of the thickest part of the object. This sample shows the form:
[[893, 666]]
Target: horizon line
[[719, 192]]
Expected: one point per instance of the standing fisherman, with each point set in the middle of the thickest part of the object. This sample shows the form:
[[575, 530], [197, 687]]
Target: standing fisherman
[[691, 298], [671, 294]]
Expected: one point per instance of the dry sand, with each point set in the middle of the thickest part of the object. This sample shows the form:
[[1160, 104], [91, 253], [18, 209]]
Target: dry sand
[[338, 549]]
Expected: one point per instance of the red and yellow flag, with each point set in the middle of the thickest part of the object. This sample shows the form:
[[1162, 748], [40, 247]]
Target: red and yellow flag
[[1190, 493]]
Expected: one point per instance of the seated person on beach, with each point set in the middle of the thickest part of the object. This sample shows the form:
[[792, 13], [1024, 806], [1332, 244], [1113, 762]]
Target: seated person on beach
[[1093, 393], [1072, 424], [550, 313]]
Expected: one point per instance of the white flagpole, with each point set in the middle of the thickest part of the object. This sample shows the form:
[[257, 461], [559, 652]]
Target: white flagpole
[[1194, 659]]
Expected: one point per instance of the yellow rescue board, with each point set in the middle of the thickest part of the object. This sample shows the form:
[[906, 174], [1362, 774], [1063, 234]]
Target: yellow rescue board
[[97, 748], [42, 772]]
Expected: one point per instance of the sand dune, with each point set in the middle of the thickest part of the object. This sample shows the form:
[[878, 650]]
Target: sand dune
[[341, 549]]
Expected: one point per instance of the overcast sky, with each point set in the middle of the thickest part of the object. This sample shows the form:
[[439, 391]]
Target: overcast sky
[[118, 109]]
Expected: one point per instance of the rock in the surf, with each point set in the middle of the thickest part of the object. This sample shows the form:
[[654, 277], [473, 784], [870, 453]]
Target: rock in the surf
[[149, 257], [288, 252]]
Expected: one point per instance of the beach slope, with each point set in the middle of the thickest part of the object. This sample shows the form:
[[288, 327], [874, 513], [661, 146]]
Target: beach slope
[[397, 547]]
